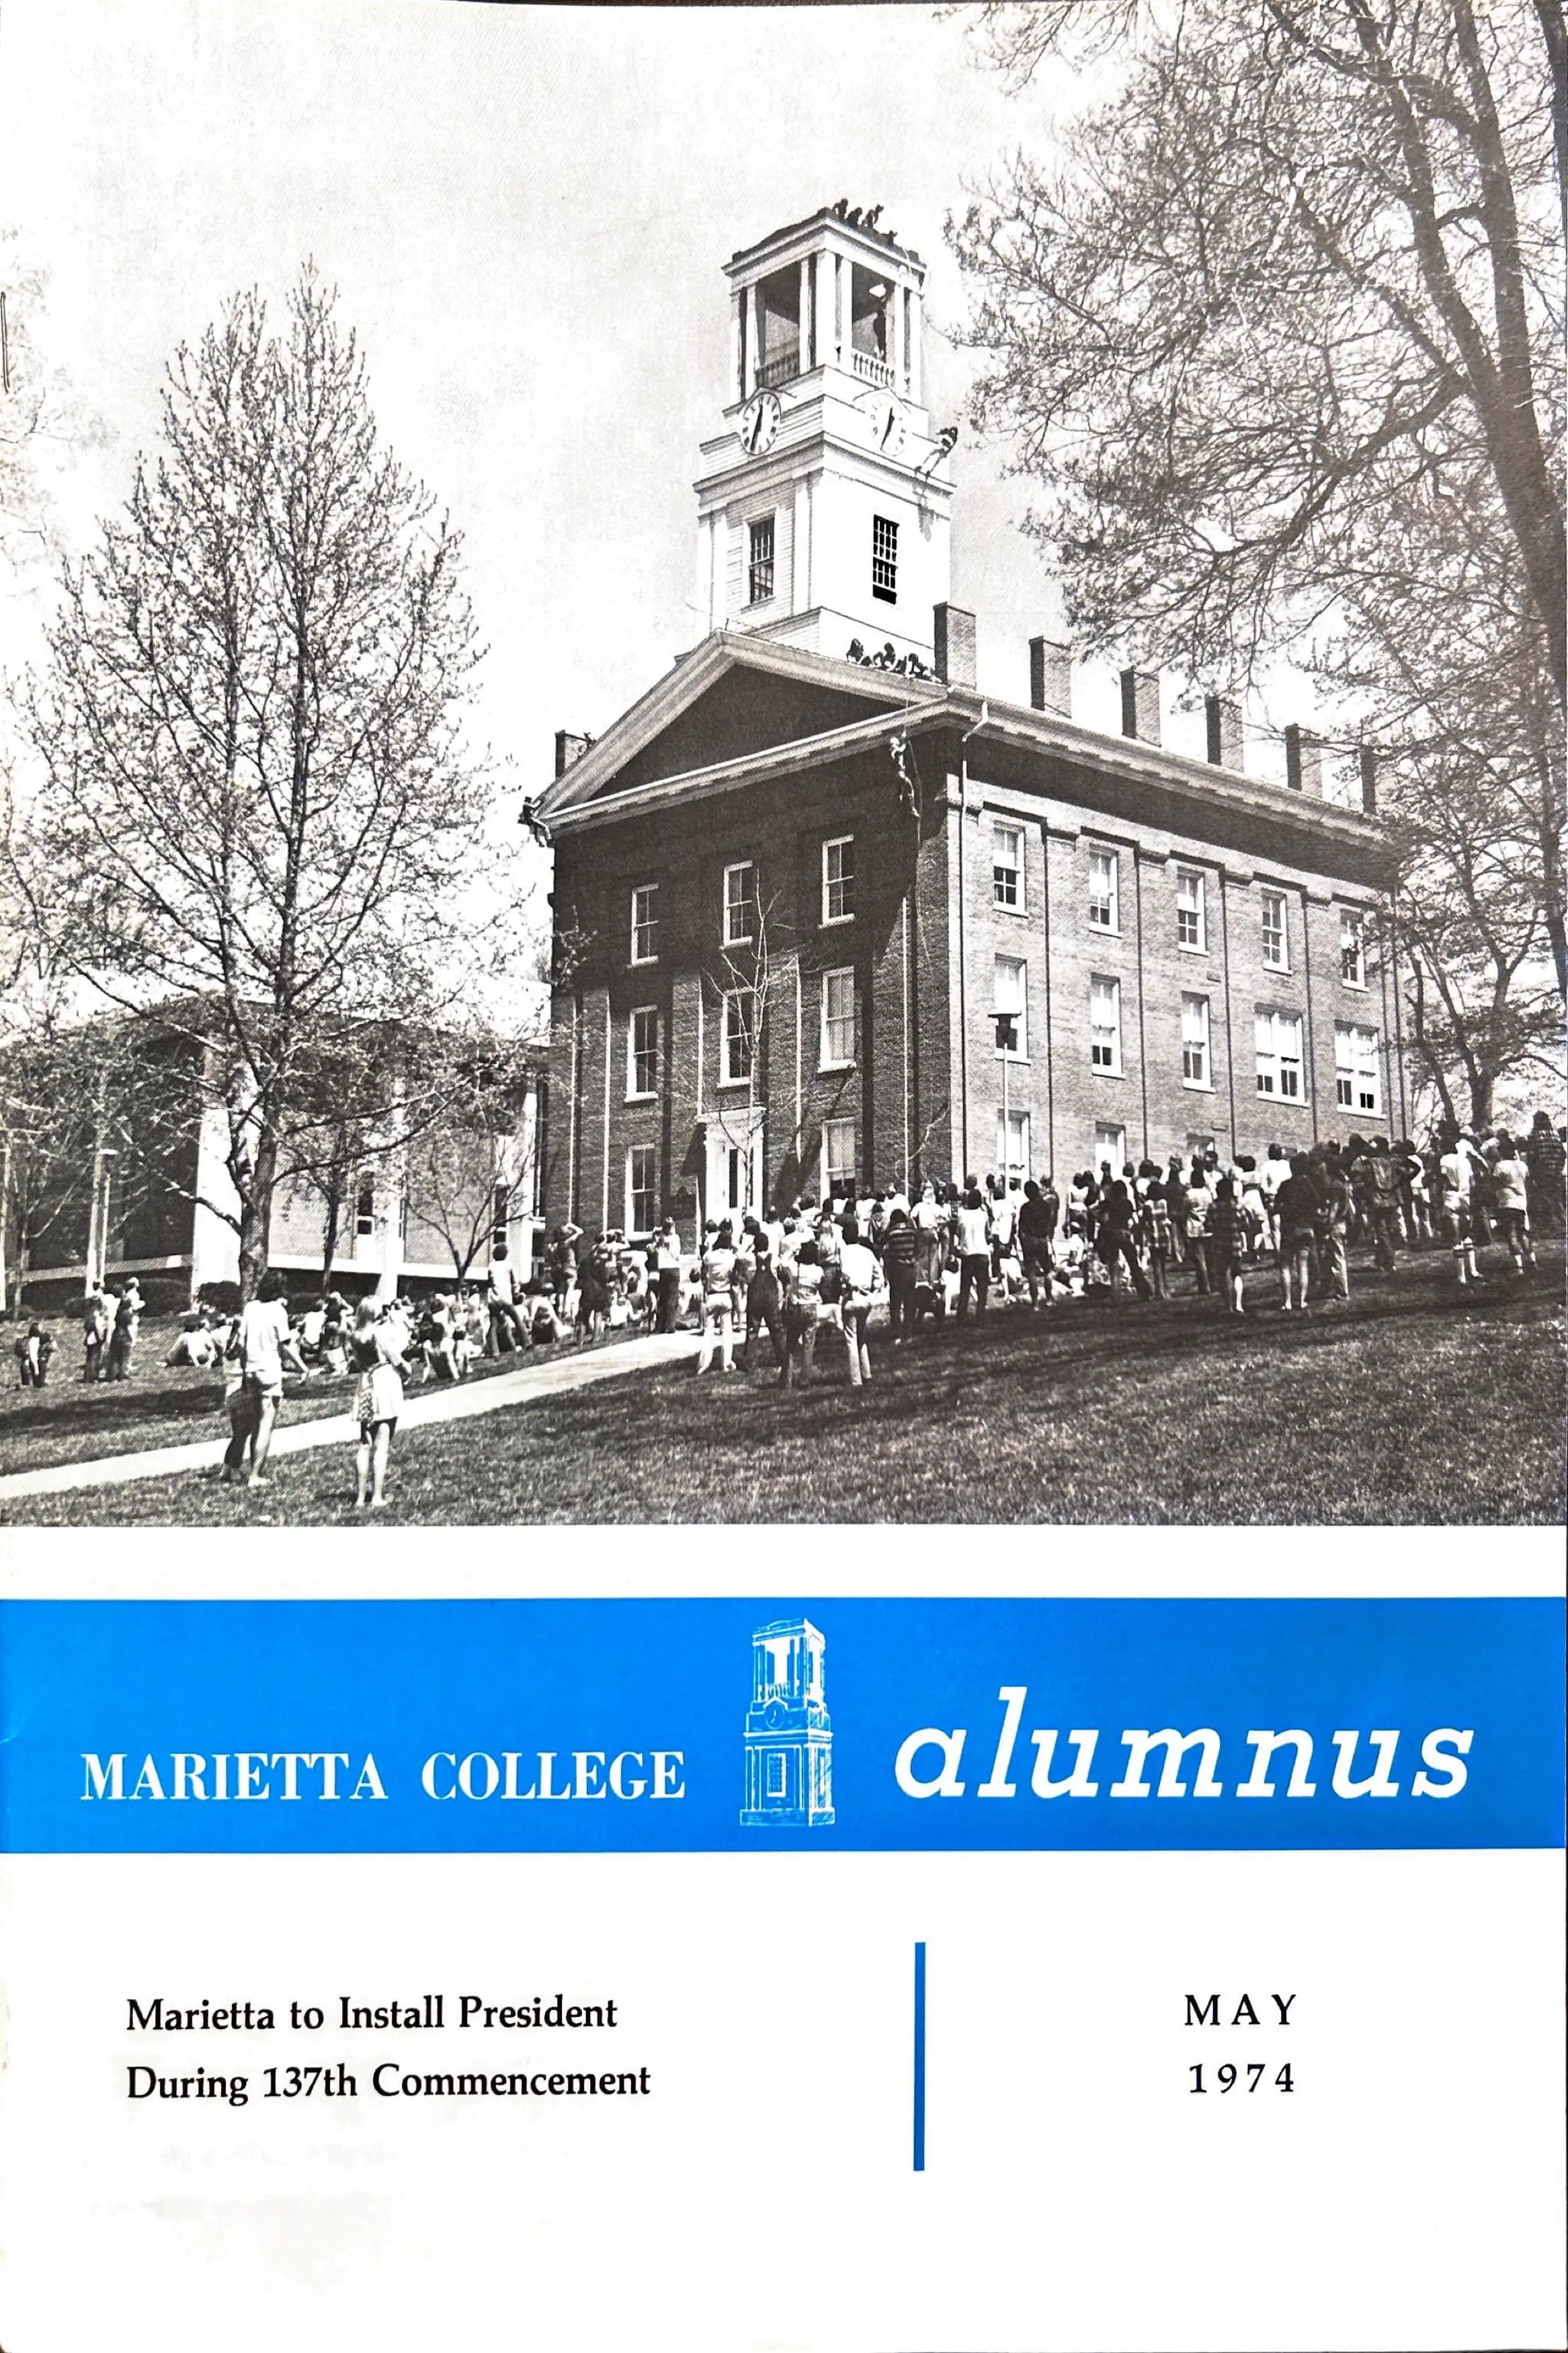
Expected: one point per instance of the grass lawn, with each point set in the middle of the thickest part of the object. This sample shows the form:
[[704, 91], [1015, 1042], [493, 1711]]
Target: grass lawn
[[76, 1421], [1414, 1403]]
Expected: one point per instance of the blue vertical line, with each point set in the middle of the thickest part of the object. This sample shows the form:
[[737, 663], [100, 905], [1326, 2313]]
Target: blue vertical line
[[920, 2058]]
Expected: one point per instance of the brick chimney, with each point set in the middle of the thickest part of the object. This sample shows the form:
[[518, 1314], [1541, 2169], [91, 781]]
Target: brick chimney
[[1303, 763], [1223, 722], [954, 632], [1369, 780], [1050, 676], [1140, 705], [569, 749]]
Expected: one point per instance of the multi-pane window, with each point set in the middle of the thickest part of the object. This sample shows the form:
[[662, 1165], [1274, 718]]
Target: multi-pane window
[[1009, 1005], [1013, 1144], [1102, 911], [1110, 1147], [1189, 910], [885, 559], [1355, 1066], [1104, 1024], [1352, 948], [1279, 1036], [760, 561], [839, 880], [364, 1204], [645, 924], [1008, 865], [642, 1051], [739, 1026], [500, 1211], [1194, 1040], [642, 1188], [838, 1018], [1276, 946], [838, 1154], [739, 905]]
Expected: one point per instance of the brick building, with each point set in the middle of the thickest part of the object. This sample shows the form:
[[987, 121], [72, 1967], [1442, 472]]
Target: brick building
[[823, 918]]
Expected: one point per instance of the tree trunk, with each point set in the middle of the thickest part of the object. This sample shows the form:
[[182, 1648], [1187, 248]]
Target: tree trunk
[[255, 1216], [334, 1198]]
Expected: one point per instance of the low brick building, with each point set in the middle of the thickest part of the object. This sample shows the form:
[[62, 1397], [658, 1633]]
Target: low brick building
[[821, 919]]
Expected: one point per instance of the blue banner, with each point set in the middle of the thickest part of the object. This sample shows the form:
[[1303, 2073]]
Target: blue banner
[[617, 1727]]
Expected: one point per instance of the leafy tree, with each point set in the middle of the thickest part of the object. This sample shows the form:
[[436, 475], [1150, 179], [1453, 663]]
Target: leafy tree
[[257, 817], [1279, 333]]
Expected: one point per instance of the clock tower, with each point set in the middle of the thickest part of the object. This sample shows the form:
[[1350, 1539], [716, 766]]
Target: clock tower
[[824, 505]]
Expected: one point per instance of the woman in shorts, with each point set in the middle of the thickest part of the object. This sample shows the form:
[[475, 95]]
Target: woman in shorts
[[375, 1357]]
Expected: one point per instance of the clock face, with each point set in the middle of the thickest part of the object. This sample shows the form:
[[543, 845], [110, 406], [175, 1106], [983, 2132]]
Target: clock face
[[885, 420], [760, 423]]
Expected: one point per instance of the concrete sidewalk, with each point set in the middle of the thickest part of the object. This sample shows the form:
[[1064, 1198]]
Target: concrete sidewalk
[[461, 1403]]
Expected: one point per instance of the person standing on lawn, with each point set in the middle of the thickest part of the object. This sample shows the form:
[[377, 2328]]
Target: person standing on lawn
[[765, 1306], [263, 1343], [1197, 1203], [1118, 1217], [1227, 1242], [1545, 1158], [507, 1330], [861, 1279], [1037, 1237], [1455, 1180], [127, 1324], [973, 1225], [1297, 1201], [802, 1310], [718, 1272], [899, 1268], [1511, 1200], [1382, 1203], [667, 1268], [97, 1323], [376, 1358]]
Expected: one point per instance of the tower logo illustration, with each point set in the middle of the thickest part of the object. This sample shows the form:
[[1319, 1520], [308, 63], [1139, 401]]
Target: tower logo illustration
[[789, 1740]]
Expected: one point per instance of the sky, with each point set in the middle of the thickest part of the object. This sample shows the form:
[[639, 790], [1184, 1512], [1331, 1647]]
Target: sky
[[525, 211]]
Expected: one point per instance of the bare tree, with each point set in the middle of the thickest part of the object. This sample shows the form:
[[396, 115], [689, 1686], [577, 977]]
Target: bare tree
[[471, 1169], [257, 815]]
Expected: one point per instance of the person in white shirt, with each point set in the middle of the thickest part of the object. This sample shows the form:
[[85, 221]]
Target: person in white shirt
[[1455, 1178], [1509, 1181], [861, 1279], [263, 1345], [507, 1327], [973, 1230]]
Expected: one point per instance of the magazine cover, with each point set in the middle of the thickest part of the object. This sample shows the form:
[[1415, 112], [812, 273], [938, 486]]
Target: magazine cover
[[782, 1177]]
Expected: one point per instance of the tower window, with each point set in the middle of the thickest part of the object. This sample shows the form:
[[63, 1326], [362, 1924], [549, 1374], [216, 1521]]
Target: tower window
[[885, 559], [759, 566]]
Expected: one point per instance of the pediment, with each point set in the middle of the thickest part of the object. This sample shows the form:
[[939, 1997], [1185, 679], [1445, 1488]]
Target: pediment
[[729, 698]]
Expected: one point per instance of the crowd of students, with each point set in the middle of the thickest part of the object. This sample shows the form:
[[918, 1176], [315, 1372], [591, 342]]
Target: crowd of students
[[777, 1290]]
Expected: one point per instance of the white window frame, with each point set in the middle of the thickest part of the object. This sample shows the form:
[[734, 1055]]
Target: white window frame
[[1272, 1027], [729, 1075], [1112, 1068], [831, 883], [1018, 971], [1019, 1165], [651, 1151], [1118, 1158], [733, 939], [839, 1128], [827, 1060], [1112, 925], [1192, 877], [1358, 1080], [634, 1092], [1279, 930], [1004, 872], [1197, 1058], [1352, 936], [647, 923], [885, 559]]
